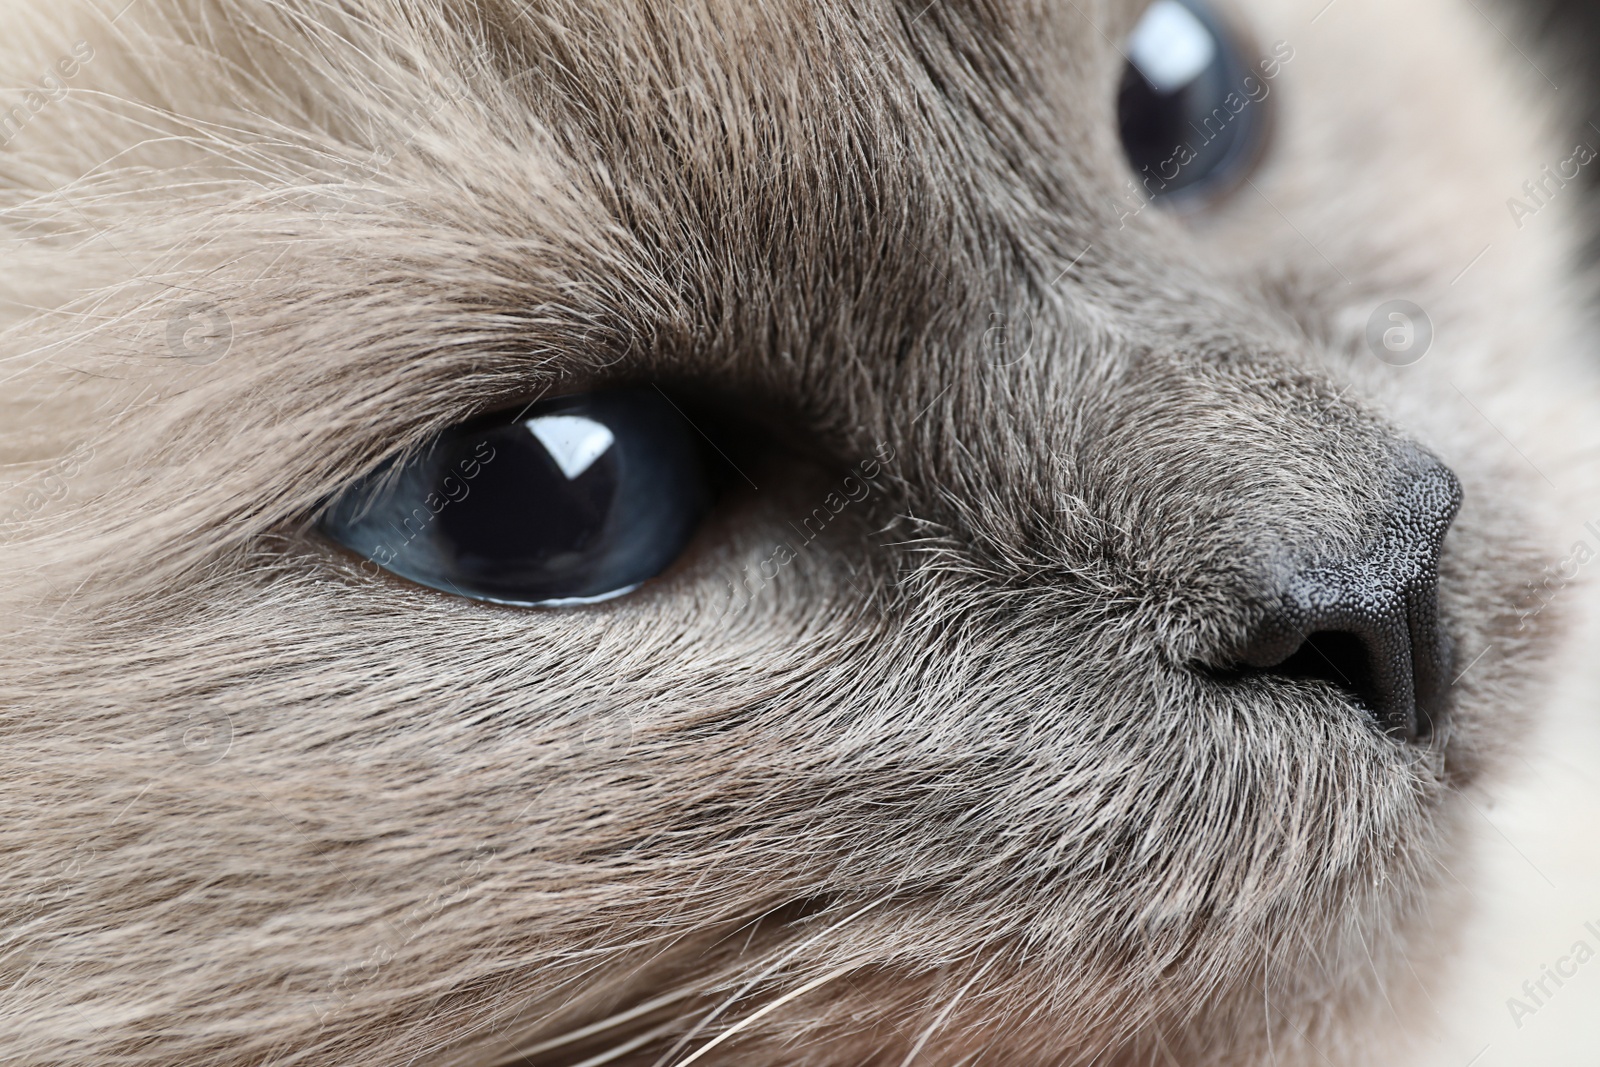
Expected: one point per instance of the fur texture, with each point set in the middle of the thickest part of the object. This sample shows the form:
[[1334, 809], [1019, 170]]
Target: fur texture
[[962, 783]]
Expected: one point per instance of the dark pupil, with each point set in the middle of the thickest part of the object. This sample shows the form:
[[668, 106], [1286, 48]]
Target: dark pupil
[[1184, 110], [524, 512]]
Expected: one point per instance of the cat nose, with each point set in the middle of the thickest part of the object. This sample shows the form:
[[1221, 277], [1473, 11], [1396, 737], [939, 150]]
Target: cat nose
[[1369, 623]]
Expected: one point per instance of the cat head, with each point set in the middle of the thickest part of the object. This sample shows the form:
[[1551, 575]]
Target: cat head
[[1068, 584]]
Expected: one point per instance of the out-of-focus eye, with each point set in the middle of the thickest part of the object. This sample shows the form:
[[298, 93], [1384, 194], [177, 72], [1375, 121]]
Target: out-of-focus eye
[[1191, 109], [573, 500]]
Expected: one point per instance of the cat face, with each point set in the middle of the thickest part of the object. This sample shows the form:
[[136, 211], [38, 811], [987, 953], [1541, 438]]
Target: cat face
[[981, 469]]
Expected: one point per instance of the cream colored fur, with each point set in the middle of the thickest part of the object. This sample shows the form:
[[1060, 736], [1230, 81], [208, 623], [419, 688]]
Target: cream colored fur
[[950, 790]]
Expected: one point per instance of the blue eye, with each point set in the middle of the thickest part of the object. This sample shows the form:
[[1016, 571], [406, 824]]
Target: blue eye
[[573, 500], [1191, 110]]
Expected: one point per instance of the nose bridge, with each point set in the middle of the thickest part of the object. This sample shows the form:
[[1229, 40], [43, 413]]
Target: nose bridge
[[1383, 598]]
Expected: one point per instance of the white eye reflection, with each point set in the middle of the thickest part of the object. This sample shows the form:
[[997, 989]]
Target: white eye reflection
[[1170, 46], [573, 441]]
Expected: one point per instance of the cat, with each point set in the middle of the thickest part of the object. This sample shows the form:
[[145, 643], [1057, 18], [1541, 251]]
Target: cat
[[1089, 559]]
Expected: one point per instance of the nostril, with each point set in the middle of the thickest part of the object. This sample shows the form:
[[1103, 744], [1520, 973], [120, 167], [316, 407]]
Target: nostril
[[1338, 658], [1347, 626], [1369, 622]]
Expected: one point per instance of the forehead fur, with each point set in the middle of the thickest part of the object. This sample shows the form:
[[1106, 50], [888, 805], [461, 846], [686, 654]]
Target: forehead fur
[[961, 783]]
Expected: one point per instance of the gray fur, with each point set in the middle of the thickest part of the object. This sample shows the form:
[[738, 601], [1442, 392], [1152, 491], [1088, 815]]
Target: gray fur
[[959, 784]]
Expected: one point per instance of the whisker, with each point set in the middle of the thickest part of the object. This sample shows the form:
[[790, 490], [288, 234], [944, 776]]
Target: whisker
[[753, 982], [750, 1019], [608, 1023], [628, 1046], [944, 1014]]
